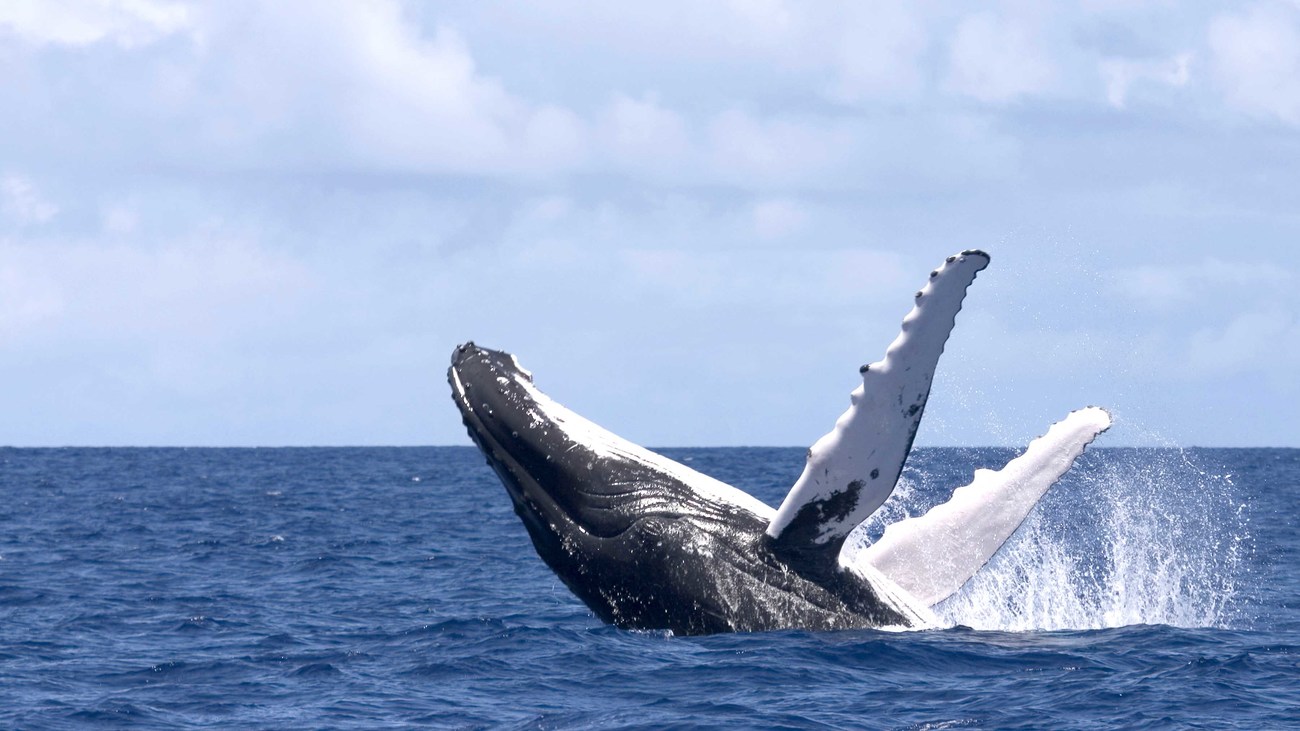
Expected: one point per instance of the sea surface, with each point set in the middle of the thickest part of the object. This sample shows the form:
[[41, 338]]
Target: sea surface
[[360, 588]]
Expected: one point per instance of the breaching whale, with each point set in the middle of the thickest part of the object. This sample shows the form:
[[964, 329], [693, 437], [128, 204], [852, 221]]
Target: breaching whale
[[648, 543]]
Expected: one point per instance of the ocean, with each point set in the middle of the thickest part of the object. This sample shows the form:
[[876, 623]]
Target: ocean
[[371, 588]]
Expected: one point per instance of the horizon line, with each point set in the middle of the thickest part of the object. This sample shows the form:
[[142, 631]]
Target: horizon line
[[471, 446]]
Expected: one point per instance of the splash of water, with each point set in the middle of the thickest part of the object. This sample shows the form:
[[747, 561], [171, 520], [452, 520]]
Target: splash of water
[[1130, 536]]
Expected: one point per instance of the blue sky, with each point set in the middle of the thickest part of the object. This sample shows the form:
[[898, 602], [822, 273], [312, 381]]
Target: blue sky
[[245, 223]]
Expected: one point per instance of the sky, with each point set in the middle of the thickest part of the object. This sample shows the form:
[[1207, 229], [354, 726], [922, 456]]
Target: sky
[[244, 223]]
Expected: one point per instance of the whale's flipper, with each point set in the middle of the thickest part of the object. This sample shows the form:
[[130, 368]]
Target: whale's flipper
[[933, 555], [851, 470]]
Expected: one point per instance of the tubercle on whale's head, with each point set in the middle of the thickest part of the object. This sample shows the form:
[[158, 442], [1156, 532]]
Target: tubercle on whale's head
[[467, 351], [493, 394]]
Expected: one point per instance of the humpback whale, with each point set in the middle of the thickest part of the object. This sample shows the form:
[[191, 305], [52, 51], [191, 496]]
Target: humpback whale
[[649, 543]]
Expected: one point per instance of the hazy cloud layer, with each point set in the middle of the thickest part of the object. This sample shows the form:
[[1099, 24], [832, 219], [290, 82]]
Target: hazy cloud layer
[[253, 223]]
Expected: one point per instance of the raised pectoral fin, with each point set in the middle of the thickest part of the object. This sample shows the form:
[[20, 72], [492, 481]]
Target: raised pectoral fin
[[851, 470], [933, 555]]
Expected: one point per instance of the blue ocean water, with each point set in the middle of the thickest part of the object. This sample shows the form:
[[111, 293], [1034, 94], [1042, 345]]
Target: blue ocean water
[[392, 588]]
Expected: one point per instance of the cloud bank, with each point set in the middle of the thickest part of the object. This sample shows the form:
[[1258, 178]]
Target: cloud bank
[[250, 223]]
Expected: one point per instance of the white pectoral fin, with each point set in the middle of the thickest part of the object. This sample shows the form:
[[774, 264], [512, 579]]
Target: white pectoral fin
[[933, 555], [851, 470]]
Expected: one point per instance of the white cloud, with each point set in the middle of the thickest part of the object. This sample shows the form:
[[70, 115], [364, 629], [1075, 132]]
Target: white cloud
[[763, 18], [119, 219], [127, 23], [1122, 74], [1154, 286], [27, 298], [642, 133], [765, 278], [555, 139], [1255, 342], [417, 103], [387, 87], [750, 150], [851, 50], [778, 218], [878, 49], [674, 30], [402, 84], [997, 60], [269, 86], [193, 291], [22, 203], [1178, 284], [1256, 60]]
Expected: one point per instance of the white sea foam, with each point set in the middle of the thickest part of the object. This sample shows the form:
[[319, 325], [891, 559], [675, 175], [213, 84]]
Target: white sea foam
[[1135, 537]]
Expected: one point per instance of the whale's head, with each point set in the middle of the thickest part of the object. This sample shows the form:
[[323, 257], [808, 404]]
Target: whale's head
[[594, 504], [569, 479], [507, 420]]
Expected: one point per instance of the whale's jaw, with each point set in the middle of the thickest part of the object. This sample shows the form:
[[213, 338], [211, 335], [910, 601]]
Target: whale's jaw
[[493, 408], [566, 471]]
